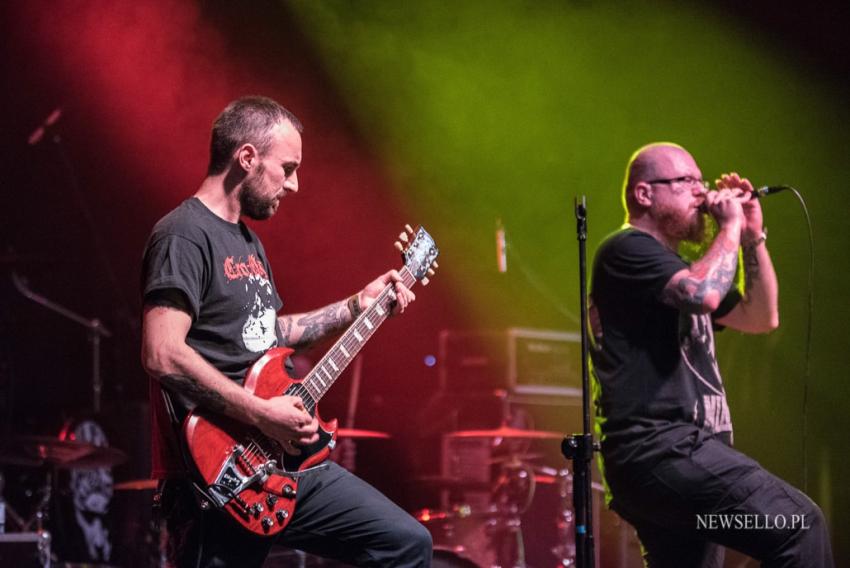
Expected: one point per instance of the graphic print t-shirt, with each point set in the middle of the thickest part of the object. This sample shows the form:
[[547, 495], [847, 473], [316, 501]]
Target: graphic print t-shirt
[[660, 387], [222, 270]]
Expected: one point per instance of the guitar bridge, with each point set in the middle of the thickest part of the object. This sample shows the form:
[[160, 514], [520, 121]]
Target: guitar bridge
[[231, 481]]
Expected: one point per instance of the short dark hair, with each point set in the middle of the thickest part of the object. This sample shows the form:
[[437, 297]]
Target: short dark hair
[[248, 120]]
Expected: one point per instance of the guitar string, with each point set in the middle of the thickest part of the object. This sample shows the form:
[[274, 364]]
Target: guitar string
[[351, 343]]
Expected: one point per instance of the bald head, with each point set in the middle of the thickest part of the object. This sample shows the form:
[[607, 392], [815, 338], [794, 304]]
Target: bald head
[[659, 160]]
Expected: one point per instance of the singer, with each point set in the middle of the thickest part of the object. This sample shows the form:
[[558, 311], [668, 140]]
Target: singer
[[666, 428]]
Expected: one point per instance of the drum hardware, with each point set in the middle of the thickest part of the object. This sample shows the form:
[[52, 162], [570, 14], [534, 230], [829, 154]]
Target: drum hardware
[[53, 456], [512, 490], [95, 327], [496, 538]]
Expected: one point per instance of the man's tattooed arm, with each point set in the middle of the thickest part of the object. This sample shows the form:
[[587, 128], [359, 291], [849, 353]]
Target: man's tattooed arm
[[195, 391], [701, 288], [752, 270], [758, 312], [304, 329]]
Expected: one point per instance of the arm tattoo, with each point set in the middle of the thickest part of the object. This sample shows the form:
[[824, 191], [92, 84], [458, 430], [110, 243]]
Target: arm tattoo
[[715, 274], [752, 270], [322, 322], [284, 324], [195, 391]]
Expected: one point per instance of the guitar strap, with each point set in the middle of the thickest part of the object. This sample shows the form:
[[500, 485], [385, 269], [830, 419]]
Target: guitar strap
[[202, 498]]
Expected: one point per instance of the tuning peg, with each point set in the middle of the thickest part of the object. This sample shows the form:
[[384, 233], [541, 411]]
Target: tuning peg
[[425, 281], [399, 246], [430, 272], [409, 229], [435, 265], [402, 237]]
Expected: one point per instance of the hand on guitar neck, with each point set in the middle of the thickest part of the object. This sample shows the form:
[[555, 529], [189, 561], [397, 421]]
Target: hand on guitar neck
[[284, 418], [404, 296]]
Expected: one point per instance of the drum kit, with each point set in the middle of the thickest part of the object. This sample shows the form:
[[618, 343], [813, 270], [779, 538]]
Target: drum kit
[[491, 535], [52, 459], [471, 536], [51, 455]]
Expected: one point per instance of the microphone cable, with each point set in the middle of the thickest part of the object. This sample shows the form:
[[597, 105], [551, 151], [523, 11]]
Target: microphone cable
[[807, 369]]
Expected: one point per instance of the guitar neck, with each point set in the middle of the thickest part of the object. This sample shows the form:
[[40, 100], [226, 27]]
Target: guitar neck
[[319, 380]]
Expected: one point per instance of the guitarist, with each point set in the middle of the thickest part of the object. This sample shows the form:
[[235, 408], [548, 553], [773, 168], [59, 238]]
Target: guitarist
[[210, 311]]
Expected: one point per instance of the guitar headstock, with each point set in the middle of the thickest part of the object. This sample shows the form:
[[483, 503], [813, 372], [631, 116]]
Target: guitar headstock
[[419, 252]]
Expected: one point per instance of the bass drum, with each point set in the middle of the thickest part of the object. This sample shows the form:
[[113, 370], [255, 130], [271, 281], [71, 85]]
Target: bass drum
[[447, 558]]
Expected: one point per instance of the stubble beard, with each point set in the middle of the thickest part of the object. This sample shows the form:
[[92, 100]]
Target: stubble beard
[[253, 203], [679, 228]]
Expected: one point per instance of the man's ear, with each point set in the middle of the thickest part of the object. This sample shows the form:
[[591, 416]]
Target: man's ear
[[247, 156], [643, 194]]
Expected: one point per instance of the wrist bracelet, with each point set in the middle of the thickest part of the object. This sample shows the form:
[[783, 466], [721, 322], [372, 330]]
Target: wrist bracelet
[[354, 306], [759, 240]]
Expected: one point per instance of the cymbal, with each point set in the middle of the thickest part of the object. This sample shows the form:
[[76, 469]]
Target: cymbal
[[136, 485], [358, 433], [35, 451], [508, 432], [101, 456]]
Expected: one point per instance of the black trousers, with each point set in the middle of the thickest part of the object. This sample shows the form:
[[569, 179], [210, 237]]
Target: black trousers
[[686, 509], [337, 516]]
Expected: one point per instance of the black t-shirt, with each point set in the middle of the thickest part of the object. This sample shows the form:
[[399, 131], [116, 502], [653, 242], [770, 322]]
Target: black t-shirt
[[660, 387], [222, 271]]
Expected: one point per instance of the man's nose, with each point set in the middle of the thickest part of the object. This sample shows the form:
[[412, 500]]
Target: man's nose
[[291, 183]]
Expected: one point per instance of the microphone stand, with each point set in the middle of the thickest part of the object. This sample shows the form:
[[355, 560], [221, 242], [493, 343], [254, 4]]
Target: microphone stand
[[96, 331], [579, 447]]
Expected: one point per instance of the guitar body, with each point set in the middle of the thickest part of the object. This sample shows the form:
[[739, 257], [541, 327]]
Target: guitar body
[[232, 457]]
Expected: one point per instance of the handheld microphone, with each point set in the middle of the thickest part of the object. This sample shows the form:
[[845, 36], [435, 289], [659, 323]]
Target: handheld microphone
[[757, 193], [766, 190]]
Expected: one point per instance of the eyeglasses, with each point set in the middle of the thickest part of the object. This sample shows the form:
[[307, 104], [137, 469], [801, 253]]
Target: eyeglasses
[[687, 180]]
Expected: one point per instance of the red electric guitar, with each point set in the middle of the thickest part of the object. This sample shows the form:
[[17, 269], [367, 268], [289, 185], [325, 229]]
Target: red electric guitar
[[248, 474]]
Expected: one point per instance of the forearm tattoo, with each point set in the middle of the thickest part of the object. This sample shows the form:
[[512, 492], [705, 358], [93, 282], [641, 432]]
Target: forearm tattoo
[[314, 325], [752, 269], [195, 391], [284, 325], [714, 273]]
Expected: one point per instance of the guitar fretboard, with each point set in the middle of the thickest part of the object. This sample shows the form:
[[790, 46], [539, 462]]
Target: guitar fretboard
[[318, 381]]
